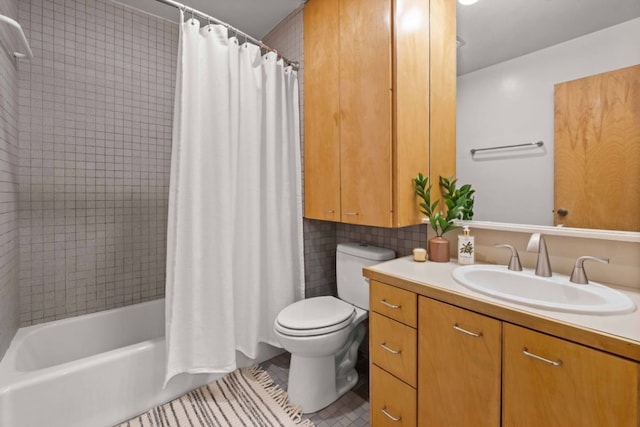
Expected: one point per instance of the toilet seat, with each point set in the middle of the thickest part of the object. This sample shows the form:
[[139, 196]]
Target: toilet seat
[[315, 316]]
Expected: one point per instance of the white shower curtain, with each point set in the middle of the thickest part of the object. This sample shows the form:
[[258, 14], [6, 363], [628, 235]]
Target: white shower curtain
[[234, 243]]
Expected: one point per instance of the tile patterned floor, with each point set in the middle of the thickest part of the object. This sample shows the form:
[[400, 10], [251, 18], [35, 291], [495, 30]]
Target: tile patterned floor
[[351, 410]]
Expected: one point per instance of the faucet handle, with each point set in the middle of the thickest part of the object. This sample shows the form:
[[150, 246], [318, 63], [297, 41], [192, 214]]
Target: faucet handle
[[578, 275], [514, 262]]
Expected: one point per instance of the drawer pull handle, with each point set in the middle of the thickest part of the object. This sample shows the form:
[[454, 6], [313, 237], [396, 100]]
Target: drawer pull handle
[[389, 349], [540, 358], [329, 211], [388, 304], [351, 213], [391, 417], [464, 331]]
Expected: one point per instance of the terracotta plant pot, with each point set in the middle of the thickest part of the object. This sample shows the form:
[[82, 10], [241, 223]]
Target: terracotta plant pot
[[439, 249]]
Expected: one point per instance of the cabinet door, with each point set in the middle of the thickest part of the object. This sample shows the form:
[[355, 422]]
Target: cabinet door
[[393, 403], [322, 109], [365, 112], [551, 382], [459, 367]]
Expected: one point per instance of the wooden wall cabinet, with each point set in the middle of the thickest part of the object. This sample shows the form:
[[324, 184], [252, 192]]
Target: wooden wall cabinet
[[379, 90], [474, 369]]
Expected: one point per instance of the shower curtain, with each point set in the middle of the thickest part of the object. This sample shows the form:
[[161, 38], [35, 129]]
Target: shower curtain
[[234, 242]]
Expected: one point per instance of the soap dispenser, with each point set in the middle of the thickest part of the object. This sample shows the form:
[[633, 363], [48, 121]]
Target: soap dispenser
[[466, 247]]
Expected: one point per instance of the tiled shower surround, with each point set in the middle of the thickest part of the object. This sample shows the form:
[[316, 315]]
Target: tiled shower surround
[[9, 299], [96, 107], [95, 114]]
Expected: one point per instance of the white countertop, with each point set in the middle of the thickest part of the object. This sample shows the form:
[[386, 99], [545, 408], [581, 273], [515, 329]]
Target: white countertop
[[438, 276]]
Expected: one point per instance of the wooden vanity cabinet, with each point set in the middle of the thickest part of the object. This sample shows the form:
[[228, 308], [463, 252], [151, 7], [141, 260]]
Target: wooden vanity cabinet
[[476, 370], [379, 92], [551, 382]]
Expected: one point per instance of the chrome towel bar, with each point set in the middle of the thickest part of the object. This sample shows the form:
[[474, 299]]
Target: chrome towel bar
[[530, 144]]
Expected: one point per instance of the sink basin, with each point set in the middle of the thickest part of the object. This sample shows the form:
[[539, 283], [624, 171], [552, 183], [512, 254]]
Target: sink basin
[[555, 293]]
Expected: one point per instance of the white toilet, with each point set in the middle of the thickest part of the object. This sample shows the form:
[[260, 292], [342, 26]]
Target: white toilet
[[323, 333]]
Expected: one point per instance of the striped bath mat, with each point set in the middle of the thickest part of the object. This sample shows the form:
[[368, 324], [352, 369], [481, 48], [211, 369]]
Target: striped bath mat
[[245, 397]]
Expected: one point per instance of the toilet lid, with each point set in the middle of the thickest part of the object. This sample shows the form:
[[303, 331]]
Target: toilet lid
[[308, 316]]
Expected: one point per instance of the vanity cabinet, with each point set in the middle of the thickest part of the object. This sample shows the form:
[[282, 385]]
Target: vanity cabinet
[[379, 91], [474, 369]]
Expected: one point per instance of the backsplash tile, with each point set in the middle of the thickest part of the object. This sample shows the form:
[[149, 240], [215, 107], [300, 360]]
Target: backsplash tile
[[401, 240]]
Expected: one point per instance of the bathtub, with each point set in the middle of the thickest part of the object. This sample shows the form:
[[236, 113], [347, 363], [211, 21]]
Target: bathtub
[[94, 370]]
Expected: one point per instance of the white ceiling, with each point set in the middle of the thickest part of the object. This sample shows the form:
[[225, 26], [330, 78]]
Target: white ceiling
[[497, 30], [493, 30]]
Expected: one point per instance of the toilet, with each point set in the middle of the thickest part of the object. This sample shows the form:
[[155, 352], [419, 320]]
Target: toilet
[[323, 333]]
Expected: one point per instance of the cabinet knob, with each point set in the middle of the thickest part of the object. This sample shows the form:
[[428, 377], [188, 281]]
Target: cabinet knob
[[563, 212]]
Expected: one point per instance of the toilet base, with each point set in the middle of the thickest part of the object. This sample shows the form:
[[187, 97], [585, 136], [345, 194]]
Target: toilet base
[[316, 382]]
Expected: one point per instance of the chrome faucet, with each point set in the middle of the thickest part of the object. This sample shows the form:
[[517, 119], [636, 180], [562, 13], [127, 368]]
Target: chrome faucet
[[537, 243], [514, 262], [578, 275]]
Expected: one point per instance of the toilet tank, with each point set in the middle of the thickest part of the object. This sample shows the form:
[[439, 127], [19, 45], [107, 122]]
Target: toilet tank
[[350, 259]]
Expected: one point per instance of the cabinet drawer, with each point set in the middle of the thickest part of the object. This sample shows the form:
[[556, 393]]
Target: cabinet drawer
[[393, 347], [394, 302], [393, 403]]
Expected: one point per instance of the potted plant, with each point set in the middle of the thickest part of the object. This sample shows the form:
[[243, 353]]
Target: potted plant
[[459, 204]]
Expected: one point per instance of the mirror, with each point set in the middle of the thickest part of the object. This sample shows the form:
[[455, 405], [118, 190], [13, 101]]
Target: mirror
[[511, 54]]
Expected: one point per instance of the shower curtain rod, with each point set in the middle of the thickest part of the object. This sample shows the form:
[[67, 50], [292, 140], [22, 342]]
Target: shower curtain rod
[[246, 36]]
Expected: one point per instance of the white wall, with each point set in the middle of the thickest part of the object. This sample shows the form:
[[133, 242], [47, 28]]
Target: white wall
[[512, 103]]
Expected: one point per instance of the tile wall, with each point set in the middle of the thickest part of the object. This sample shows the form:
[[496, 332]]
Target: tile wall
[[9, 299], [96, 107]]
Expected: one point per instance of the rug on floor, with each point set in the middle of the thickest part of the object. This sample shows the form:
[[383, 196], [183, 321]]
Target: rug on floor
[[245, 397]]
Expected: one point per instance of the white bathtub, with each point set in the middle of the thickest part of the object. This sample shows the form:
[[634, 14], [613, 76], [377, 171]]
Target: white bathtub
[[94, 370]]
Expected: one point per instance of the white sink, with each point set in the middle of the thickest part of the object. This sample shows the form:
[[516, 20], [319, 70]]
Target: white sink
[[555, 293]]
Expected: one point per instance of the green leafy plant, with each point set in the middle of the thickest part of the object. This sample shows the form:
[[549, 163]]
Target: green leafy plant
[[458, 199], [459, 203]]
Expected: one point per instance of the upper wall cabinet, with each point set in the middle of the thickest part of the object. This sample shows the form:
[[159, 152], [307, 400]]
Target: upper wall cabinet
[[379, 92]]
